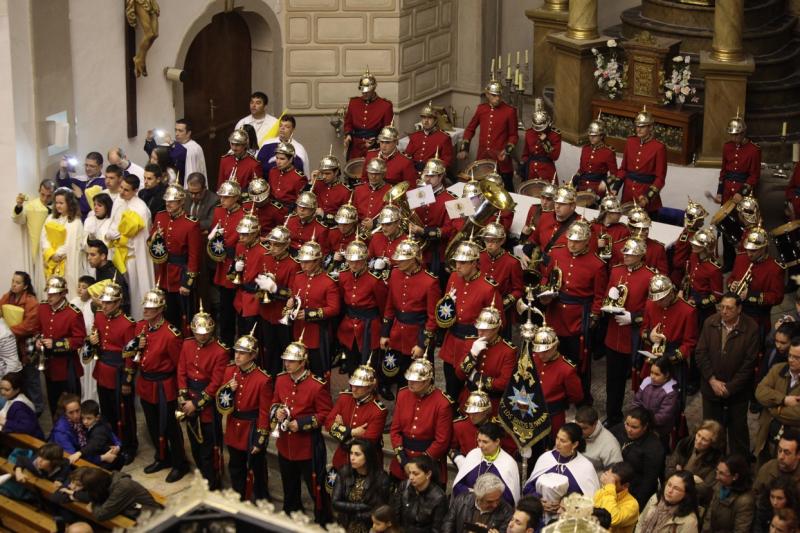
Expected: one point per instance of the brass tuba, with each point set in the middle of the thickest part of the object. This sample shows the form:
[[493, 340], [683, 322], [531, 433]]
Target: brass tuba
[[495, 198], [397, 197]]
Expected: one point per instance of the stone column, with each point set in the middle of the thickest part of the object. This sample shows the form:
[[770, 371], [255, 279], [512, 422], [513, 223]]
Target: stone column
[[550, 17], [728, 27], [582, 20]]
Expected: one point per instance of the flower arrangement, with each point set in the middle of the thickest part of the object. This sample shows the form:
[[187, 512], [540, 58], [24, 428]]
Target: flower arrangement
[[678, 88], [609, 73]]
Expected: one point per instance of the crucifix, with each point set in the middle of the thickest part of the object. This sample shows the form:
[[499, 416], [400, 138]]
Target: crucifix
[[144, 13]]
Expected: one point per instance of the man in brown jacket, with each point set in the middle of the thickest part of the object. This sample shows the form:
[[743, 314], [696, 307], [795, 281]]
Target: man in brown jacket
[[779, 393], [786, 464], [726, 356]]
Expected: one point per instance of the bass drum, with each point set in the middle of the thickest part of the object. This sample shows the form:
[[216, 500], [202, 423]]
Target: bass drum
[[353, 168], [727, 222], [479, 169], [787, 241], [532, 188]]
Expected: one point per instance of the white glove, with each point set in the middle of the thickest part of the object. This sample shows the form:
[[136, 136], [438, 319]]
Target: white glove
[[379, 264], [523, 259], [266, 283], [624, 319], [213, 232], [478, 346], [239, 266], [452, 294], [521, 306]]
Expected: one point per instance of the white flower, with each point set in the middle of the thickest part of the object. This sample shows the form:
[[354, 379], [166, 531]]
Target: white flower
[[594, 51], [681, 98], [612, 83], [687, 59], [677, 59], [668, 94], [685, 90], [611, 43]]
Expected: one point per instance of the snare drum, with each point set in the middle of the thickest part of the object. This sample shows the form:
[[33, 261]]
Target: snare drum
[[532, 188], [727, 222], [479, 169], [353, 168], [585, 198], [787, 241], [627, 207]]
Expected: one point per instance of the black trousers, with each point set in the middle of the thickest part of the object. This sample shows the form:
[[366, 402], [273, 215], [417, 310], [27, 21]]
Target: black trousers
[[113, 412], [292, 474], [276, 338], [318, 367], [238, 469], [226, 316], [179, 310], [728, 255], [56, 388], [618, 370], [452, 383], [203, 452], [570, 348], [508, 180], [732, 414], [173, 436]]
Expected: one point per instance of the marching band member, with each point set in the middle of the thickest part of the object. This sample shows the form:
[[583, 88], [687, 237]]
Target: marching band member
[[62, 334], [157, 345], [639, 222], [701, 284], [345, 232], [357, 414], [741, 164], [248, 265], [422, 423], [385, 242], [546, 205], [477, 409], [542, 147], [286, 181], [430, 141], [398, 165], [598, 162], [269, 212], [331, 193], [201, 371], [436, 227], [304, 225], [681, 249], [368, 197], [279, 270], [607, 228], [502, 267], [246, 397], [238, 164], [301, 405], [365, 116], [553, 226]]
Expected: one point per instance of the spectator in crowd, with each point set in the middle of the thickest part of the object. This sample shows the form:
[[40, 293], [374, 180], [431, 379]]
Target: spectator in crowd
[[420, 503], [112, 494], [484, 505], [97, 257], [786, 464], [62, 240], [160, 156], [117, 156], [30, 215], [200, 201], [784, 521], [285, 134], [526, 518], [47, 462], [776, 349], [614, 496], [659, 394], [673, 509], [360, 487], [17, 414], [97, 225], [68, 430], [732, 507], [643, 450], [102, 446], [779, 394], [92, 177], [699, 454], [261, 121], [22, 295], [9, 359], [152, 193], [489, 457], [383, 520], [602, 448], [781, 493]]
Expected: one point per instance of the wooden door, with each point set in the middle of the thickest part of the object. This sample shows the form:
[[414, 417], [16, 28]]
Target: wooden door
[[216, 91]]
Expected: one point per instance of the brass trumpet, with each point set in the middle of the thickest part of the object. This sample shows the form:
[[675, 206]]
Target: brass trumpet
[[605, 251], [42, 357], [743, 284], [236, 277], [180, 416]]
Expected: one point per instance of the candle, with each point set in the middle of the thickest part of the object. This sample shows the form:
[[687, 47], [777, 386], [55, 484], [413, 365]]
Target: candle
[[508, 59], [517, 57], [500, 62], [526, 56], [796, 152], [492, 71], [508, 72], [521, 84], [783, 131]]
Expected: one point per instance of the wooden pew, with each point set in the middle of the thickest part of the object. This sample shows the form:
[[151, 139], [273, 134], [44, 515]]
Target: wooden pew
[[21, 440], [18, 516], [47, 488]]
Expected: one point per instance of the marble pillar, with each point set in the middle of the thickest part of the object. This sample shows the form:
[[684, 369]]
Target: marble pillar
[[550, 17], [728, 27], [582, 20]]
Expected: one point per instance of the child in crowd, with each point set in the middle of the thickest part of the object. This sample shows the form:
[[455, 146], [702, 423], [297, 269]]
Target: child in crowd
[[659, 394], [102, 445], [83, 301], [383, 520], [47, 462]]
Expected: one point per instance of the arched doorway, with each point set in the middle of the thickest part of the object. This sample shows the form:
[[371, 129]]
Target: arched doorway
[[217, 86]]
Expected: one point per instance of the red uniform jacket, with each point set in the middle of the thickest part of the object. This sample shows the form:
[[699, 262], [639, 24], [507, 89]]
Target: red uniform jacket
[[398, 168], [284, 270], [331, 197], [617, 231], [471, 296], [286, 185], [183, 238], [364, 297], [547, 227], [249, 422], [655, 257], [364, 120], [337, 241], [424, 145], [244, 170], [681, 250], [561, 386], [465, 437], [410, 311], [498, 129], [539, 156], [114, 333], [201, 370], [438, 226], [304, 231], [309, 402], [369, 200], [619, 338], [597, 162], [644, 171], [741, 168], [678, 323], [493, 370], [584, 282], [270, 214], [706, 276], [65, 326], [319, 297], [159, 361], [247, 302], [506, 270], [421, 425], [355, 413], [764, 291], [793, 190], [381, 246], [227, 220]]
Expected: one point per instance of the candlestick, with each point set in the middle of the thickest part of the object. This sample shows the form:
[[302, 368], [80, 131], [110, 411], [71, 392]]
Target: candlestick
[[508, 59], [508, 70], [796, 152], [517, 57], [521, 83], [526, 57], [492, 71], [516, 77], [783, 131]]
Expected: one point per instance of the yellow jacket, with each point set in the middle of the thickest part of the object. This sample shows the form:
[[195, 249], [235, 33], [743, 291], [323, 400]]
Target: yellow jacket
[[623, 507]]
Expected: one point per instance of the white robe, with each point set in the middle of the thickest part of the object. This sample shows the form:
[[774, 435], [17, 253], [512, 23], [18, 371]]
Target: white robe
[[474, 464], [32, 231], [261, 125], [88, 383], [195, 160], [140, 267], [75, 263]]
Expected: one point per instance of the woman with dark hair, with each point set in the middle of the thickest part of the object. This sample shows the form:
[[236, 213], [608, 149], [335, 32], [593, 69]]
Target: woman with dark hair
[[98, 224], [643, 450], [781, 493], [62, 240], [360, 487], [114, 494], [420, 504], [489, 458], [673, 509], [18, 414], [160, 156], [252, 140], [732, 506], [659, 394], [699, 454], [563, 470], [68, 431]]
